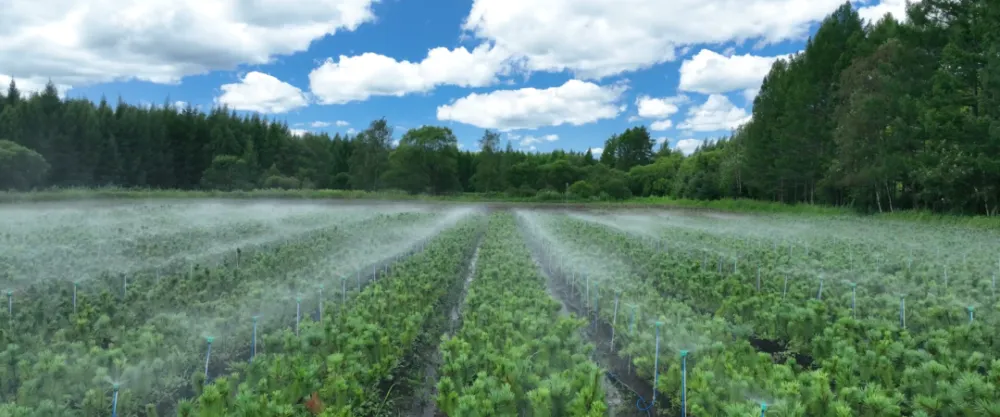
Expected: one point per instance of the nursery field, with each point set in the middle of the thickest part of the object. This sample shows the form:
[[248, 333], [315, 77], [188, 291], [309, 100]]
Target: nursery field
[[276, 308]]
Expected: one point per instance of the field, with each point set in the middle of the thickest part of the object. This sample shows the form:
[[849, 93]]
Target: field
[[208, 308]]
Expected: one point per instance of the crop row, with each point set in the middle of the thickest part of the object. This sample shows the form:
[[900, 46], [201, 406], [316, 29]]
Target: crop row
[[347, 364], [869, 365], [65, 346], [516, 353]]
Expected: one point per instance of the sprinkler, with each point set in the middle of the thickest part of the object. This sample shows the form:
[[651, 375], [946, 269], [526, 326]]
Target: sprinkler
[[253, 343], [684, 372], [75, 285], [114, 400], [946, 276], [972, 314], [902, 311], [758, 278], [763, 409], [10, 303], [994, 286], [614, 320], [359, 280], [819, 295], [784, 290], [854, 297], [320, 302], [208, 354], [375, 273], [656, 374], [239, 254], [298, 313], [124, 286]]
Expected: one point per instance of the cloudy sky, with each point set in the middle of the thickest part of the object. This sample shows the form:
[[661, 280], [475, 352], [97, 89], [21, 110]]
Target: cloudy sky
[[549, 73]]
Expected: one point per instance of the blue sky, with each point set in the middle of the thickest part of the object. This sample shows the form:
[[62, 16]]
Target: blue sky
[[687, 68]]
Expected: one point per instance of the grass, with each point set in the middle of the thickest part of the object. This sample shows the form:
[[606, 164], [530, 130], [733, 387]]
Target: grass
[[727, 205]]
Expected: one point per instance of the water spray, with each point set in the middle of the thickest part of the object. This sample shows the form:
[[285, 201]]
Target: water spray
[[253, 341], [784, 290], [208, 354], [641, 404], [758, 278], [75, 285], [114, 400], [298, 313], [763, 409], [10, 304], [972, 315], [239, 254], [946, 276], [684, 378], [124, 286], [374, 273]]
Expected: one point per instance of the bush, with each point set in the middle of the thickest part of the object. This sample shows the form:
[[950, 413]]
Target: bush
[[617, 189], [582, 189], [549, 195]]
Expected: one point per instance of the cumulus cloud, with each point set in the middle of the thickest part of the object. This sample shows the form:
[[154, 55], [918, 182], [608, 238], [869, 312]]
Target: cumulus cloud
[[530, 140], [596, 151], [897, 8], [717, 113], [260, 92], [85, 42], [661, 125], [342, 123], [688, 146], [599, 38], [575, 102], [298, 132], [659, 108], [711, 73], [356, 78], [318, 124]]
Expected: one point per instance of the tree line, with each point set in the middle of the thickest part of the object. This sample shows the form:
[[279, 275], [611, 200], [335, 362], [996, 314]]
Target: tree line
[[877, 116]]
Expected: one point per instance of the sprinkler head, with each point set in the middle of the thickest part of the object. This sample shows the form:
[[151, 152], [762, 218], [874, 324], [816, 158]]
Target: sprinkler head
[[298, 299], [10, 293], [684, 353], [209, 339], [970, 308], [854, 285], [763, 406], [659, 323], [255, 318], [321, 286], [115, 386]]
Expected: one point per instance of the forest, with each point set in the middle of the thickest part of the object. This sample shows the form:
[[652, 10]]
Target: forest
[[877, 116]]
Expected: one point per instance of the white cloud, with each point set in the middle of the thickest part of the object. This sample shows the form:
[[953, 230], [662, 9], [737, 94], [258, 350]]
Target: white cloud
[[342, 123], [318, 124], [688, 146], [661, 125], [260, 92], [180, 104], [661, 140], [575, 102], [659, 108], [875, 12], [356, 78], [30, 84], [599, 38], [717, 113], [711, 73], [596, 151], [85, 42], [298, 132], [531, 140], [352, 131]]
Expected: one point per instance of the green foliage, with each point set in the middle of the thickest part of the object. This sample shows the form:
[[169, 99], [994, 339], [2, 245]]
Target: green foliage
[[20, 168], [228, 173]]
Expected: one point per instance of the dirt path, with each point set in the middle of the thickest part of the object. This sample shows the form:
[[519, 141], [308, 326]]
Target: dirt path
[[428, 392]]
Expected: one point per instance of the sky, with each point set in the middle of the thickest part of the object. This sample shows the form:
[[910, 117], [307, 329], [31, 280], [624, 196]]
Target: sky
[[548, 74]]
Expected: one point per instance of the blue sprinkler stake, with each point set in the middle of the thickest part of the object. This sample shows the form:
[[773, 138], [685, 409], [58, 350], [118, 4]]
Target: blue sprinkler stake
[[684, 378], [10, 303], [854, 294], [321, 302], [75, 285], [656, 374], [208, 354], [902, 311], [763, 409], [114, 401], [971, 313], [253, 342]]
